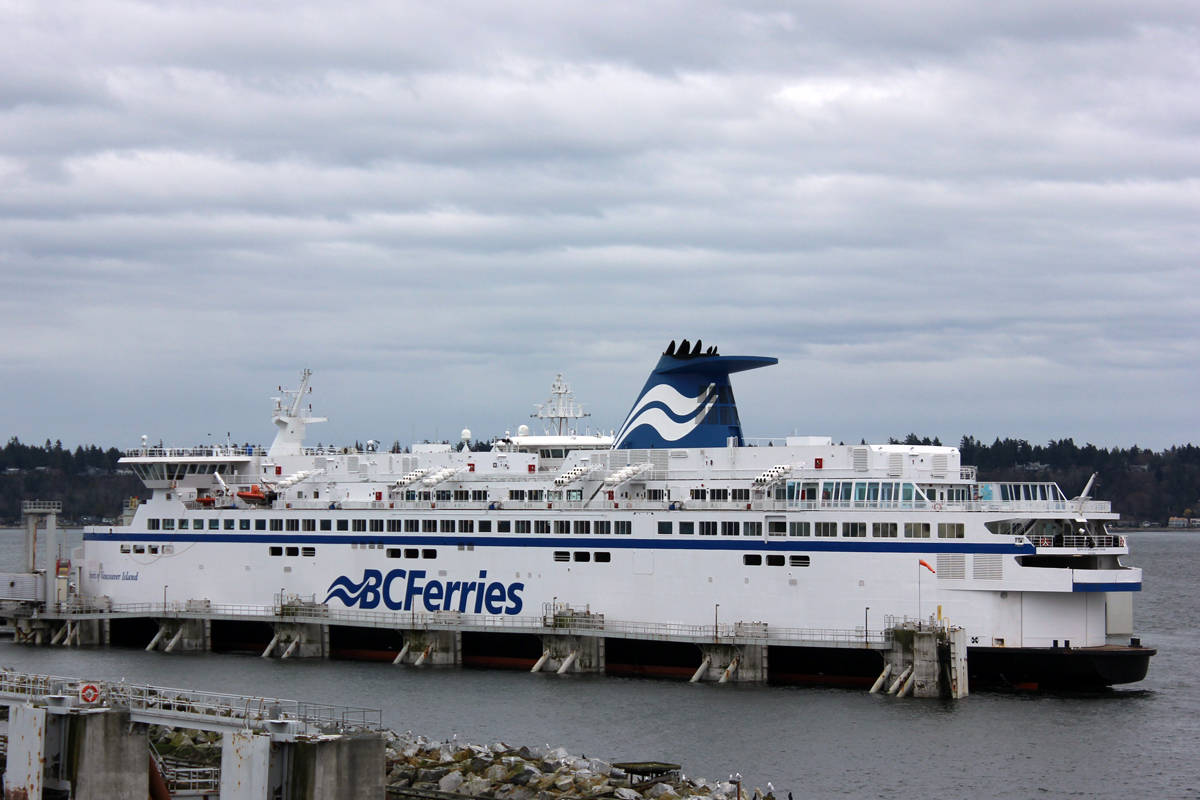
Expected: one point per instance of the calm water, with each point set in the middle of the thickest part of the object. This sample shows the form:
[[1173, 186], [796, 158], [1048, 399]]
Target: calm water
[[1131, 742]]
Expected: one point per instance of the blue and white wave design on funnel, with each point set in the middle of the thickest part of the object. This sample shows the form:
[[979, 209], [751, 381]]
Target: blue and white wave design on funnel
[[687, 401]]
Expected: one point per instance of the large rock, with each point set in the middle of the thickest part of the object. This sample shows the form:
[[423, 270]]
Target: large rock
[[663, 790], [496, 773], [431, 775], [451, 781], [600, 767], [625, 793], [475, 786]]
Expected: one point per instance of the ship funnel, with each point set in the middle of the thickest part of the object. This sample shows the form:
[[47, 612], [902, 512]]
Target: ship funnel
[[687, 400]]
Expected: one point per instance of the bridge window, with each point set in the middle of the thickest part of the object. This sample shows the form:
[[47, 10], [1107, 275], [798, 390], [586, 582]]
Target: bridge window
[[883, 530], [153, 524], [516, 494], [699, 494], [479, 495], [719, 494], [655, 494], [740, 495], [535, 495], [752, 560], [441, 494]]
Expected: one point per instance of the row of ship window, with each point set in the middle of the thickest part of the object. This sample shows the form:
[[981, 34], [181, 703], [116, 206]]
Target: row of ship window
[[860, 530], [601, 526], [854, 530]]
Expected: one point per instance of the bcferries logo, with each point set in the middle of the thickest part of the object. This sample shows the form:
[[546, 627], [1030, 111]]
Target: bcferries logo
[[408, 590]]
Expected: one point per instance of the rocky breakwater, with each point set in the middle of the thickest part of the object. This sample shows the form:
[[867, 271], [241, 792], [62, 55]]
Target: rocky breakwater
[[503, 772]]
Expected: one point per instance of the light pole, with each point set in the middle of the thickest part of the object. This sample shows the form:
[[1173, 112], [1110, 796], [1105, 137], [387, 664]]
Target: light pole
[[866, 637], [164, 598]]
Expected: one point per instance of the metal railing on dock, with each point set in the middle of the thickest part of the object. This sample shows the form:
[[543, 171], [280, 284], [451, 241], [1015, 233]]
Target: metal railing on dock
[[558, 623], [192, 708]]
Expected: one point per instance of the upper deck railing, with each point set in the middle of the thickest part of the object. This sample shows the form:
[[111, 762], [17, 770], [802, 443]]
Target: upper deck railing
[[41, 506], [684, 506], [211, 451]]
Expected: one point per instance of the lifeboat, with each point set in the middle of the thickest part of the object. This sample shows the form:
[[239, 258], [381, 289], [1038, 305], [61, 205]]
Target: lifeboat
[[207, 502], [256, 496]]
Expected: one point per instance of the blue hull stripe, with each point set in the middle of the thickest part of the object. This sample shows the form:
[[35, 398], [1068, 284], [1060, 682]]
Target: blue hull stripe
[[730, 543], [1106, 587]]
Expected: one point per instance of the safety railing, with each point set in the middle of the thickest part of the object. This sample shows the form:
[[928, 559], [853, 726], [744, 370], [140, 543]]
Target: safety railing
[[182, 703], [1079, 541], [41, 506], [319, 613]]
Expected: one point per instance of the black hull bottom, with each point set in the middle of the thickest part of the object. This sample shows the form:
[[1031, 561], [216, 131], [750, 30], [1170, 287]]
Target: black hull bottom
[[1056, 668]]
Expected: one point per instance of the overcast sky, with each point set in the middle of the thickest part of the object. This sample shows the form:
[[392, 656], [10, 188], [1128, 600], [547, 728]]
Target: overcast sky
[[952, 218]]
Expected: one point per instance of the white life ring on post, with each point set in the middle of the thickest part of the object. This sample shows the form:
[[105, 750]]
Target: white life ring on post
[[937, 506]]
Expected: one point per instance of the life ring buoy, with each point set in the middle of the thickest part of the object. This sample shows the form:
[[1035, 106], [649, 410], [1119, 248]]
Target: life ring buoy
[[1044, 541], [937, 506]]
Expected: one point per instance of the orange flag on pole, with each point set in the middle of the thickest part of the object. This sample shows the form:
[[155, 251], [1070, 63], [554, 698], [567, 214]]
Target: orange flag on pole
[[925, 564]]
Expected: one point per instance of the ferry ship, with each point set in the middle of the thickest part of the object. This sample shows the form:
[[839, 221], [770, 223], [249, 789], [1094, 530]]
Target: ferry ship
[[674, 519]]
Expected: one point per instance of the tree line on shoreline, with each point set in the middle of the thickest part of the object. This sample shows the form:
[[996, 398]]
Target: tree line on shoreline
[[1143, 485]]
